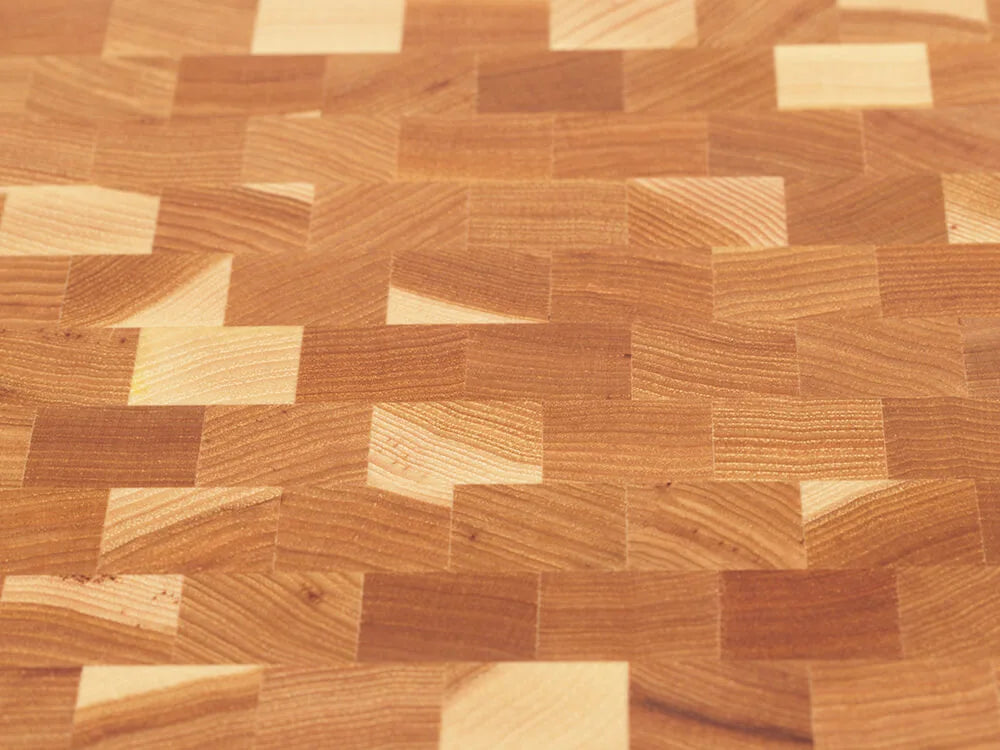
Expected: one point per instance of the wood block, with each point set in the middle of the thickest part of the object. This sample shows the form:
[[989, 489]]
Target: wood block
[[327, 149], [715, 526], [627, 615], [524, 705], [852, 76], [965, 74], [538, 527], [982, 356], [280, 618], [989, 516], [53, 27], [794, 282], [423, 450], [627, 441], [625, 24], [699, 211], [679, 705], [549, 361], [932, 20], [469, 285], [179, 27], [734, 23], [360, 529], [442, 616], [782, 438], [233, 85], [150, 154], [77, 220], [942, 437], [890, 357], [346, 287], [972, 207], [814, 614], [550, 82], [865, 210], [946, 703], [16, 423], [51, 532], [950, 611], [135, 446], [61, 152], [36, 706], [491, 147], [246, 220], [322, 445], [717, 358], [31, 290], [82, 367], [319, 27], [620, 285], [617, 146], [396, 216], [867, 524], [387, 363], [189, 530], [790, 144], [145, 291], [216, 366], [15, 82], [937, 140], [699, 80], [436, 82], [942, 280], [449, 24], [353, 707], [63, 621], [102, 89], [168, 706]]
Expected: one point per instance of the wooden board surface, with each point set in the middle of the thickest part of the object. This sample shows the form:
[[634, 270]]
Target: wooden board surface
[[530, 374]]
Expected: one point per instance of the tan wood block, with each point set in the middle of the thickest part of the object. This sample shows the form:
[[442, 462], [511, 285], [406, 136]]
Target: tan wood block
[[981, 337], [179, 27], [972, 207], [37, 706], [628, 24], [906, 20], [32, 289]]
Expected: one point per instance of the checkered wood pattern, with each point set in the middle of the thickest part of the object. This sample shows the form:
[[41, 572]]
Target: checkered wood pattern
[[528, 374]]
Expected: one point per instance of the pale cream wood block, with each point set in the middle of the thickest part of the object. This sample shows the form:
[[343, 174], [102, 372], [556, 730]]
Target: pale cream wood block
[[822, 497], [974, 10], [409, 308], [107, 684], [555, 706], [622, 24], [251, 365], [832, 76], [77, 220], [304, 27]]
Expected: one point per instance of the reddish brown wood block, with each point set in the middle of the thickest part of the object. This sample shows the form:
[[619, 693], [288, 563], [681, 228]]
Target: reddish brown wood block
[[610, 616], [809, 615], [866, 209], [808, 439], [217, 86], [934, 140], [307, 444], [81, 367], [52, 532], [360, 529], [437, 24], [942, 437], [791, 144], [436, 82], [180, 27], [715, 526], [31, 289], [940, 280], [413, 617], [61, 152], [989, 515], [735, 23], [282, 618], [627, 441], [550, 81], [676, 705], [950, 611], [965, 74], [865, 21], [16, 423], [352, 707], [36, 707], [541, 527], [548, 361], [615, 146], [699, 80], [135, 446], [53, 27]]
